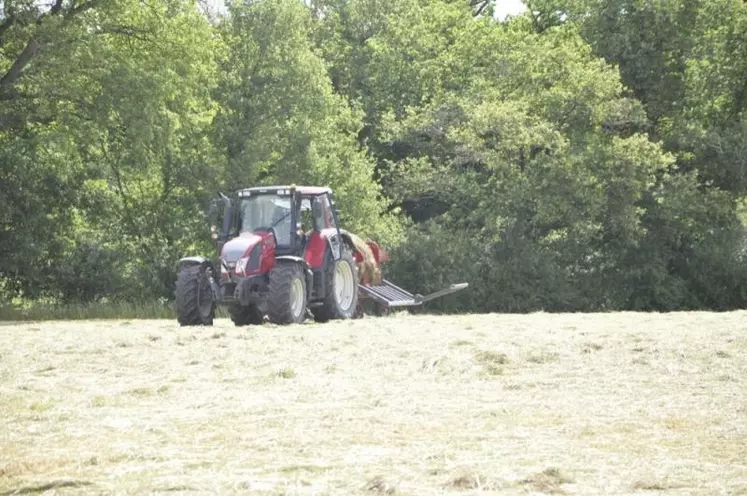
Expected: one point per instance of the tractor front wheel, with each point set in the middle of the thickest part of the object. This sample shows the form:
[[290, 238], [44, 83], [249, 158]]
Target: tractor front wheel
[[341, 280], [194, 296], [286, 303], [245, 315]]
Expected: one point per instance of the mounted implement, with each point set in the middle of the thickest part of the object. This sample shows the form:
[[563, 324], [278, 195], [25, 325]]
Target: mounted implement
[[387, 295], [281, 255]]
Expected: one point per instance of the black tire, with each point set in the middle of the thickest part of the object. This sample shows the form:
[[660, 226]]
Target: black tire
[[360, 311], [372, 307], [331, 308], [381, 310], [245, 315], [284, 304], [194, 296]]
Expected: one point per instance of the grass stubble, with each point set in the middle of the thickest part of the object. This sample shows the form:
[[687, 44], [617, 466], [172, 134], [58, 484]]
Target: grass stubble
[[619, 403]]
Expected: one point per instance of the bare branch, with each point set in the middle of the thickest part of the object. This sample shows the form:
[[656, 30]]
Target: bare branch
[[10, 77], [32, 47], [56, 7], [480, 6], [81, 8], [12, 18], [132, 32]]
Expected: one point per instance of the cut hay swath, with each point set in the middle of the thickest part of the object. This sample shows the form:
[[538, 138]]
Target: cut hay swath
[[544, 403]]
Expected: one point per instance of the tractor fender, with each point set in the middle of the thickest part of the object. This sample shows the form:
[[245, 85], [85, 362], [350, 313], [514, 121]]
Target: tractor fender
[[292, 258], [318, 244], [197, 260], [347, 239], [306, 268], [335, 240]]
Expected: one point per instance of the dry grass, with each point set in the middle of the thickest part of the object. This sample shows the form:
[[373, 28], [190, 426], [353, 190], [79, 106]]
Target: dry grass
[[493, 404], [550, 480]]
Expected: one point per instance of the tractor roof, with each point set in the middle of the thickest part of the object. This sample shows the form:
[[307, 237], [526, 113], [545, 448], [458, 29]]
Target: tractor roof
[[304, 190]]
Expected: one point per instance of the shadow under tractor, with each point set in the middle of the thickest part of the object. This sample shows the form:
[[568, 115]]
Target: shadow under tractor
[[283, 255]]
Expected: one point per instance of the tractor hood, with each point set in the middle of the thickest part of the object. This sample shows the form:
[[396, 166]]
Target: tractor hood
[[237, 247]]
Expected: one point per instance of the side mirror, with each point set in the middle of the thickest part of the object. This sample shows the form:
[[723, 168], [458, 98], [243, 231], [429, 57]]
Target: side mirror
[[213, 218], [213, 213]]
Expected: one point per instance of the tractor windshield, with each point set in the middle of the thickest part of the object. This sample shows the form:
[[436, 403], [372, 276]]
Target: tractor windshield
[[265, 212]]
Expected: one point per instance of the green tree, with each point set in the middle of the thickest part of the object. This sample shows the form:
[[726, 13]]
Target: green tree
[[522, 156], [585, 155], [281, 122], [114, 113], [686, 61]]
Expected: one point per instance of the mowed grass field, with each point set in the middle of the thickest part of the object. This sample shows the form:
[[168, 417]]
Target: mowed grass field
[[619, 403]]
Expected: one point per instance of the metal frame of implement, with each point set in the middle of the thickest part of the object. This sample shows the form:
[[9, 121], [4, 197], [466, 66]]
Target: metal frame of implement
[[393, 296]]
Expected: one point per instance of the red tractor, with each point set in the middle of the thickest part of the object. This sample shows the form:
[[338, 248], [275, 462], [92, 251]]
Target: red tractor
[[282, 253]]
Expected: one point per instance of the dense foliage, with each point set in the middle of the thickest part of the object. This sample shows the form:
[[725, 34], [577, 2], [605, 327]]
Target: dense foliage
[[584, 155]]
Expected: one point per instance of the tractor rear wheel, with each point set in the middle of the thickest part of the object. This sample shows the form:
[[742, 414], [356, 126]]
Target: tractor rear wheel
[[245, 315], [341, 280], [286, 303], [194, 296]]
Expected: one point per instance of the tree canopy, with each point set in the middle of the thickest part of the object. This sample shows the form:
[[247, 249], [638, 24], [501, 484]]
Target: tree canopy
[[584, 155]]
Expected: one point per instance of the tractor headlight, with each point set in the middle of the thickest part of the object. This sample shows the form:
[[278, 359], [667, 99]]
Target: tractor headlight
[[241, 265]]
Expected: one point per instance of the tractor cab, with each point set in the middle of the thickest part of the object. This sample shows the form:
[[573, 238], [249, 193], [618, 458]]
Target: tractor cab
[[293, 216], [290, 215]]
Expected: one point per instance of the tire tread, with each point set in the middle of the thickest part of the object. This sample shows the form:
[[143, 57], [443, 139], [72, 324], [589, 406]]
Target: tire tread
[[245, 315], [187, 297], [328, 310], [278, 302]]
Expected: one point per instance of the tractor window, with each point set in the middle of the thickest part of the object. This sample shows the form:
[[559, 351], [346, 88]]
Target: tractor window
[[262, 212], [317, 211], [306, 221], [328, 220]]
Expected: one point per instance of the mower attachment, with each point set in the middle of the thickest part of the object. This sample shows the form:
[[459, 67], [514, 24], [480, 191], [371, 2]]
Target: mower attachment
[[394, 296]]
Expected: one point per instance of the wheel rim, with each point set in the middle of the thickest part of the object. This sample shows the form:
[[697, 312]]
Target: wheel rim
[[297, 297], [344, 285]]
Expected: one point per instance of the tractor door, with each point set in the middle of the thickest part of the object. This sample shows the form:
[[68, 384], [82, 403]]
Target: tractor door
[[330, 228], [325, 234]]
